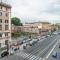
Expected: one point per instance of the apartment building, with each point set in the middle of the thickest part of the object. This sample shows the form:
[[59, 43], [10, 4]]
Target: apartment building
[[5, 24], [41, 28], [16, 28]]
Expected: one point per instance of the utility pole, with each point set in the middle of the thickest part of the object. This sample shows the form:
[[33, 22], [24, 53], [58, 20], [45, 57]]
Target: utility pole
[[7, 44]]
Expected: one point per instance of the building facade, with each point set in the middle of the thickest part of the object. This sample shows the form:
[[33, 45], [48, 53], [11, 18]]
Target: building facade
[[16, 28], [5, 24], [39, 28]]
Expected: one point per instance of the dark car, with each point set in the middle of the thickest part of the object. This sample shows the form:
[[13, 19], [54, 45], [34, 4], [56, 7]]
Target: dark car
[[54, 55], [21, 42], [24, 47], [59, 33], [5, 53], [59, 46]]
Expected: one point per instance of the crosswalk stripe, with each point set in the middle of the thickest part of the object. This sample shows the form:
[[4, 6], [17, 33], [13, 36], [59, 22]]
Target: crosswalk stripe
[[37, 58], [34, 58], [28, 56]]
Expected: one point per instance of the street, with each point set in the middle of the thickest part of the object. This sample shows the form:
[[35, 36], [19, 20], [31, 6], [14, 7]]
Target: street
[[36, 52]]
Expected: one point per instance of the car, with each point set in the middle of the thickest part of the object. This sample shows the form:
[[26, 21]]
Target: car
[[11, 52], [34, 41], [4, 53], [59, 46], [20, 43], [54, 55], [24, 47], [59, 33]]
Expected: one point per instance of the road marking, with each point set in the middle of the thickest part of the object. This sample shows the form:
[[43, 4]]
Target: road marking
[[27, 55], [37, 58], [47, 46], [34, 58], [51, 50], [41, 40]]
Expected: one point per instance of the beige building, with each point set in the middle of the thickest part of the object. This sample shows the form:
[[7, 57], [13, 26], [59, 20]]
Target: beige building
[[16, 28], [41, 28], [5, 24]]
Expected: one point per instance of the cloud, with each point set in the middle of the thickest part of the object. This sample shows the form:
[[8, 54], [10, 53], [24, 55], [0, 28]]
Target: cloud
[[47, 10]]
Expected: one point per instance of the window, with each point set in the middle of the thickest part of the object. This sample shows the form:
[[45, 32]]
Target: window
[[6, 27], [0, 20], [6, 42], [6, 14], [0, 13], [0, 27], [6, 9], [6, 34], [6, 21], [0, 34], [0, 7], [0, 44]]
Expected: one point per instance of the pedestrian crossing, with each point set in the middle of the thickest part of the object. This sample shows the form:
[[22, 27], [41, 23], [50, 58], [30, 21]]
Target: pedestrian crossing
[[28, 56]]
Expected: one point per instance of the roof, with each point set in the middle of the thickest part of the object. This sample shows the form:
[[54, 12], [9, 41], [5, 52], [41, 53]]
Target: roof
[[5, 5], [38, 22]]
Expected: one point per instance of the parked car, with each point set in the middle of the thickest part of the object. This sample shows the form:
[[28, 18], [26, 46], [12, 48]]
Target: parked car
[[54, 55], [34, 41], [24, 47], [59, 46], [59, 33], [4, 53]]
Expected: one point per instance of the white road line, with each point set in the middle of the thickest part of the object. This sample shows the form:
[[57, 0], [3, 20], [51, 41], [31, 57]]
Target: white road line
[[47, 46], [33, 58], [29, 55], [26, 55], [51, 50], [37, 58], [41, 40]]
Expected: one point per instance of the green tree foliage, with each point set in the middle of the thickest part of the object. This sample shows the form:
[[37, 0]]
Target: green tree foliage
[[16, 21]]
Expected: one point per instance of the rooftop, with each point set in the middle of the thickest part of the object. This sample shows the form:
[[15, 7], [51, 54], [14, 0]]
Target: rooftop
[[38, 22], [5, 5]]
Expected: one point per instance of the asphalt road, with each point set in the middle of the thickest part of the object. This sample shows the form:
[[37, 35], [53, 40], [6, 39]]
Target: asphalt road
[[56, 49], [40, 49], [37, 48], [37, 51]]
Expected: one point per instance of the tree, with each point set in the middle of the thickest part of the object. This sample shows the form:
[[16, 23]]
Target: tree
[[16, 21]]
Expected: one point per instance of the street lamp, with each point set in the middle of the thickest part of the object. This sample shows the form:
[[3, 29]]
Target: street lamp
[[7, 45]]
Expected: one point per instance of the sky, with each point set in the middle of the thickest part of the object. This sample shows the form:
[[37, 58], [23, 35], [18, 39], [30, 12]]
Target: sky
[[36, 10]]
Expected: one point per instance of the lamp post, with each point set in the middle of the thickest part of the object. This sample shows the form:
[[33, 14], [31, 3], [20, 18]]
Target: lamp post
[[7, 46]]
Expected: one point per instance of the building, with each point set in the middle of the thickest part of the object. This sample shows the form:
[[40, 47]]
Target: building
[[41, 28], [38, 28], [5, 24], [16, 28]]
